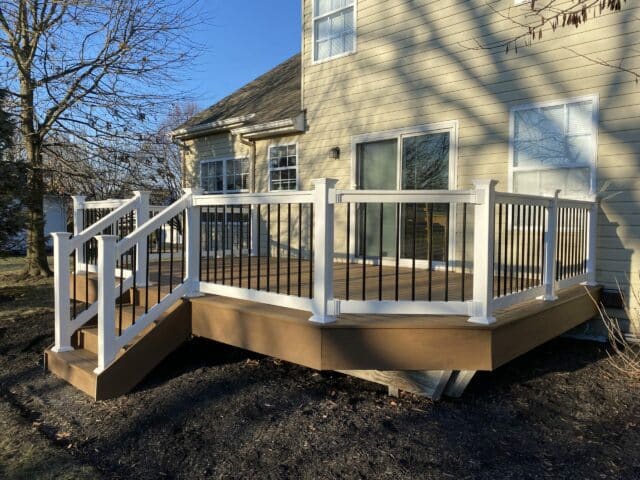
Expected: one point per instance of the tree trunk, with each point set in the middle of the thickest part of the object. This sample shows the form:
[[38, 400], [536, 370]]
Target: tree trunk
[[36, 264]]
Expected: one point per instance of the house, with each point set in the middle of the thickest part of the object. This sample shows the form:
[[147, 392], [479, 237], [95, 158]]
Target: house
[[427, 195]]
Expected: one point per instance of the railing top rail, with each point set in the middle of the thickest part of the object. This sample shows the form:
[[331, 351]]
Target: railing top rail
[[571, 203], [405, 196], [154, 223], [105, 222], [157, 208], [110, 203], [523, 199], [269, 198]]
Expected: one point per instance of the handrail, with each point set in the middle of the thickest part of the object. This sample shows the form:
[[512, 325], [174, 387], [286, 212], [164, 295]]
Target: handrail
[[108, 220], [523, 199], [110, 203], [269, 198], [153, 223], [405, 196]]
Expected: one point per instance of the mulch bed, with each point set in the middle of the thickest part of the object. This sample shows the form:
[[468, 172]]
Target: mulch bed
[[212, 411]]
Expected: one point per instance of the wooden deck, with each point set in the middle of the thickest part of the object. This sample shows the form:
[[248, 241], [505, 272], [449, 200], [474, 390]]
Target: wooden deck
[[401, 351], [295, 277], [380, 342]]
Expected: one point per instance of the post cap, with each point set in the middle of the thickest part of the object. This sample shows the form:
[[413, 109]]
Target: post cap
[[61, 235], [78, 200], [192, 191], [485, 183], [331, 182]]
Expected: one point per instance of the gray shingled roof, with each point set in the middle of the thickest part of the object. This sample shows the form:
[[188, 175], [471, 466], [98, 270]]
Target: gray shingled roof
[[272, 96]]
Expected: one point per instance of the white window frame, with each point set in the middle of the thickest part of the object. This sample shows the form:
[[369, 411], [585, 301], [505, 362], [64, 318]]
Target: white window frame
[[315, 18], [450, 126], [595, 101], [224, 160], [275, 145]]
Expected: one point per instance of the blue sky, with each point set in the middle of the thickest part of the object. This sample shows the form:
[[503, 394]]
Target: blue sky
[[242, 39]]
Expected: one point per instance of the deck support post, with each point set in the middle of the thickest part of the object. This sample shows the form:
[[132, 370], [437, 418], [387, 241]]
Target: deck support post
[[323, 307], [592, 244], [78, 226], [483, 235], [62, 298], [192, 245], [551, 251], [107, 348], [142, 215]]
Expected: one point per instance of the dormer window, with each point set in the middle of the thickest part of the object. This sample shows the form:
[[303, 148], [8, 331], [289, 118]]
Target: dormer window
[[334, 30]]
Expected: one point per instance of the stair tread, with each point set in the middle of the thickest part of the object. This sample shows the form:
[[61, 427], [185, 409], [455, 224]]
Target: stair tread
[[80, 358]]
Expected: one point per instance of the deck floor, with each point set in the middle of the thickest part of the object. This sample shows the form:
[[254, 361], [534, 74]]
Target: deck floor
[[349, 280]]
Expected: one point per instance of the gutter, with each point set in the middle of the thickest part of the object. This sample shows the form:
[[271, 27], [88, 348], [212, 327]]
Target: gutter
[[290, 126], [211, 127]]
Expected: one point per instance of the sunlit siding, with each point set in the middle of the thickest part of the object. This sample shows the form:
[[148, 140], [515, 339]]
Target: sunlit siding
[[417, 62]]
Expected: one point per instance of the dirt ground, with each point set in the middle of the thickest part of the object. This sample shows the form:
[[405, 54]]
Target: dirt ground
[[211, 411]]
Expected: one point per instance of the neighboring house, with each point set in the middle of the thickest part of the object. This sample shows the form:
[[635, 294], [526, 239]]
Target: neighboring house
[[397, 94]]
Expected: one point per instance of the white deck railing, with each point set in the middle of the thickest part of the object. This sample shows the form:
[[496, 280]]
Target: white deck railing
[[546, 235]]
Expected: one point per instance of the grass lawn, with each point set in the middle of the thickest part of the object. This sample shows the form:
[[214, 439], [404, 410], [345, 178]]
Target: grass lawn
[[211, 411]]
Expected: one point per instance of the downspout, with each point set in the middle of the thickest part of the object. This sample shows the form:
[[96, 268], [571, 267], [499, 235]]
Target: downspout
[[252, 171]]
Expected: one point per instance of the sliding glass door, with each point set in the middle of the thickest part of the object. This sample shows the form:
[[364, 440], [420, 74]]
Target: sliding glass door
[[416, 161]]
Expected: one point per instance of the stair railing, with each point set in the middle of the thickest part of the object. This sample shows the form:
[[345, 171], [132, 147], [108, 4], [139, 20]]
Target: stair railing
[[71, 259], [112, 336]]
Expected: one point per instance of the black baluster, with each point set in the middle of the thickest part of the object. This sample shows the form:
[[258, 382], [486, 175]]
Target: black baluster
[[446, 253], [146, 280], [380, 252], [299, 249], [288, 249], [464, 250], [397, 240], [311, 263], [348, 249], [171, 254], [511, 246], [224, 244], [134, 292], [499, 251], [268, 247], [240, 227], [259, 266], [413, 253], [278, 250], [364, 251], [430, 269]]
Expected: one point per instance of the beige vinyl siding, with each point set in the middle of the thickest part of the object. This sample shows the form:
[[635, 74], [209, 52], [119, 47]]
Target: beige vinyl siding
[[416, 64], [210, 147]]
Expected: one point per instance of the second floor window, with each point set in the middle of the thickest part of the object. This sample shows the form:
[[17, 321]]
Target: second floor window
[[553, 146], [283, 167], [229, 175], [334, 30]]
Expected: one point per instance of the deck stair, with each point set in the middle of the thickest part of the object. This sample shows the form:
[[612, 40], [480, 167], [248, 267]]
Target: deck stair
[[134, 361]]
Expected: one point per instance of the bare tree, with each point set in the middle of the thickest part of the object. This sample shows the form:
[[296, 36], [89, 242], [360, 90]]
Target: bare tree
[[161, 154], [93, 71]]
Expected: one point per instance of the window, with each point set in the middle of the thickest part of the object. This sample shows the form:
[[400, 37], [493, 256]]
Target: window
[[283, 167], [333, 28], [228, 175], [554, 147]]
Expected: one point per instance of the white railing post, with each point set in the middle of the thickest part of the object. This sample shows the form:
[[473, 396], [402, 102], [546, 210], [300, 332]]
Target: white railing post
[[78, 226], [322, 303], [62, 300], [255, 218], [107, 348], [592, 244], [142, 215], [192, 245], [483, 242], [551, 251]]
